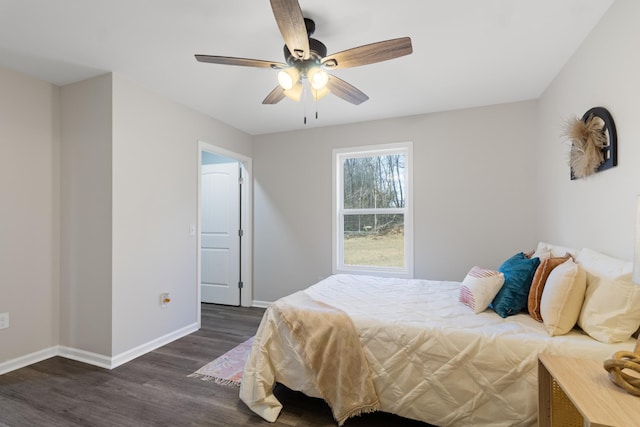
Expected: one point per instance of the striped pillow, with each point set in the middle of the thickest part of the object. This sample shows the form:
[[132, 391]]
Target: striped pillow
[[479, 288]]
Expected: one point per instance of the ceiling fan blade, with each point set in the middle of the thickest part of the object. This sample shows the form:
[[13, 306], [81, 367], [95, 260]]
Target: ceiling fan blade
[[229, 60], [275, 96], [346, 91], [291, 24], [369, 54]]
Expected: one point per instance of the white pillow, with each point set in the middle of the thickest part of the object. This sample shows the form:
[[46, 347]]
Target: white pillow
[[603, 265], [562, 297], [479, 288], [611, 309], [547, 250]]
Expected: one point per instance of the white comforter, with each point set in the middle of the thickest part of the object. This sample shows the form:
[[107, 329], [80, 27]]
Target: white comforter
[[431, 358]]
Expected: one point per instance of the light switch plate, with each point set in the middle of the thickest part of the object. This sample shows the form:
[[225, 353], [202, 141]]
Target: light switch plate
[[4, 320]]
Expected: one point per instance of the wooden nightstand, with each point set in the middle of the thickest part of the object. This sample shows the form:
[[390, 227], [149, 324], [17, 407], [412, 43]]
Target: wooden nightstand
[[578, 392]]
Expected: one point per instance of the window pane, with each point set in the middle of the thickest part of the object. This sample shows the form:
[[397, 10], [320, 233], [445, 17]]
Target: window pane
[[374, 182], [374, 240]]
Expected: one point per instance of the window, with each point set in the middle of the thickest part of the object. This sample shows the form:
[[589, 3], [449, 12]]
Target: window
[[373, 221]]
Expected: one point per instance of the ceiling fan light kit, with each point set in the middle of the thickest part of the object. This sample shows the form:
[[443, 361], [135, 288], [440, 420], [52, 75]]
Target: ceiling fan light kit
[[306, 59], [318, 78], [319, 93], [288, 77], [295, 92]]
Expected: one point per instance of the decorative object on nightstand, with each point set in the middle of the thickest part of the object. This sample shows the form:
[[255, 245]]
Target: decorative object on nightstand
[[620, 361], [593, 143], [625, 360]]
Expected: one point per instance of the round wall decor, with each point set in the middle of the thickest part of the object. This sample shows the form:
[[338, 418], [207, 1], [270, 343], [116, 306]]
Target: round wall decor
[[593, 143]]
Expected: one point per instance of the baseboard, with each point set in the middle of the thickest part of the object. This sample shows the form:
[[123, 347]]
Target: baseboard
[[29, 359], [152, 345], [83, 356], [261, 304], [95, 359]]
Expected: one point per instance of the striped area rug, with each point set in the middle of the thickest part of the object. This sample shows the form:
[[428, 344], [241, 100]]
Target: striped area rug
[[226, 369]]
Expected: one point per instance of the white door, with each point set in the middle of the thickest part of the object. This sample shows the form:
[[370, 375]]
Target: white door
[[220, 233]]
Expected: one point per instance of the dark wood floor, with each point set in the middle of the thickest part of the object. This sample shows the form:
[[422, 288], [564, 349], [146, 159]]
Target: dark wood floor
[[154, 390]]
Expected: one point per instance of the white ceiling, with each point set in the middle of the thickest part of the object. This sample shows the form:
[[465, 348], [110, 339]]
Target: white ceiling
[[466, 53]]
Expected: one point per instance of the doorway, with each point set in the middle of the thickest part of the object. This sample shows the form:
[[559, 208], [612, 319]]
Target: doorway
[[224, 230]]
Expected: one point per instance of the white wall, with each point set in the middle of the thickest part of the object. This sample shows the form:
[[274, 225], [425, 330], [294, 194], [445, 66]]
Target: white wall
[[86, 215], [155, 176], [29, 214], [599, 211], [473, 197]]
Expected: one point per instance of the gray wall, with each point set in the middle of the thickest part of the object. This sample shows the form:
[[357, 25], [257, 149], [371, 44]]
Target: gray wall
[[599, 211], [155, 175], [474, 193], [29, 214], [99, 185], [86, 206]]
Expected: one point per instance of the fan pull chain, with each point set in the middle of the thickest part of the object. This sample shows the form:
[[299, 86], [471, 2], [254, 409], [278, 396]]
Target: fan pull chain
[[304, 102], [316, 102]]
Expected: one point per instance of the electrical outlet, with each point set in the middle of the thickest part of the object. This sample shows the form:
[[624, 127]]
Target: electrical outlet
[[4, 320], [165, 299]]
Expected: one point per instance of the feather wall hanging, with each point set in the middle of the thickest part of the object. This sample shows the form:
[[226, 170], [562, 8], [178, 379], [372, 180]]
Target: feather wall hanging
[[593, 143]]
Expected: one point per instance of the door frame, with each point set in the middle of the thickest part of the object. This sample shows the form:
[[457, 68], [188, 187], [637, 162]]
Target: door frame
[[246, 216]]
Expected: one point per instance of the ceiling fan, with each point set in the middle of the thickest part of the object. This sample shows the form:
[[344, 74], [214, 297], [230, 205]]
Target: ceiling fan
[[306, 58]]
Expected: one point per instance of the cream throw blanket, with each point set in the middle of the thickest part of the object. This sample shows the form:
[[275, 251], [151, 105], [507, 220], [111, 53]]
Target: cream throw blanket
[[329, 346]]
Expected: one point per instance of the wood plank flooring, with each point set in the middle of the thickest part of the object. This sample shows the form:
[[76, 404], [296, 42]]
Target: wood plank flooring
[[154, 390]]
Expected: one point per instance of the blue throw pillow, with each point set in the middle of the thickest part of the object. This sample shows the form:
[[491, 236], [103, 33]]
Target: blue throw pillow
[[513, 296]]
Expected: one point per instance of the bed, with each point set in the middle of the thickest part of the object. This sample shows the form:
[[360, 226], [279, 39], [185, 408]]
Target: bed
[[428, 356]]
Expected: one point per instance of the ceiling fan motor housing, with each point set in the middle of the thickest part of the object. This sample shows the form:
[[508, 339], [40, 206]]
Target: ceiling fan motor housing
[[317, 50]]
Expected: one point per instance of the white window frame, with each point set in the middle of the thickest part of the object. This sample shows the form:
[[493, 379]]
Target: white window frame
[[339, 154]]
